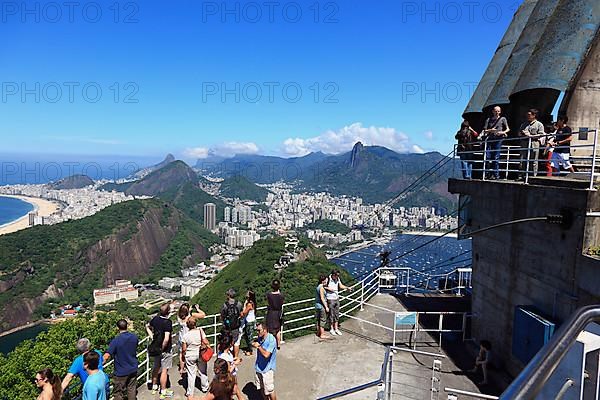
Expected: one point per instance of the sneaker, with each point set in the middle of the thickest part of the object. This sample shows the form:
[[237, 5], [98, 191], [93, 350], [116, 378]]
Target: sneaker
[[154, 389], [332, 332], [338, 332], [166, 394]]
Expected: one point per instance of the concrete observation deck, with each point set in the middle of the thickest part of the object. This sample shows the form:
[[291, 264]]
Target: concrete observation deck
[[308, 368]]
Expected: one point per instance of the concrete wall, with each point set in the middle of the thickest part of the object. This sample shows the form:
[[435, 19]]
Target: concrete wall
[[534, 263]]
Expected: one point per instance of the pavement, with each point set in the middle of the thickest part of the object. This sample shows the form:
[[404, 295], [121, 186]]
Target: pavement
[[308, 368]]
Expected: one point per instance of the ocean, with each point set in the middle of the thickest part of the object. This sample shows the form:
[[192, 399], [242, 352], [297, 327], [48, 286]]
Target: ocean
[[432, 259], [12, 209], [10, 341]]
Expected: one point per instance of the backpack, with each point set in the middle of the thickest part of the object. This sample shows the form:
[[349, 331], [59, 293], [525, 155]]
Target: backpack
[[155, 347], [231, 318]]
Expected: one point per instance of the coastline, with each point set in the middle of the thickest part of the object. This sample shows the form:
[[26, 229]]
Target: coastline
[[43, 207], [22, 327]]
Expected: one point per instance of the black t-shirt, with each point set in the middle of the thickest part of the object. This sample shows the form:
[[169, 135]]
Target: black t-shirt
[[161, 325], [500, 124], [563, 134]]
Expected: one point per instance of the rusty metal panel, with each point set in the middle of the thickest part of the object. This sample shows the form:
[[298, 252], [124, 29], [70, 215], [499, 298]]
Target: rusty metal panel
[[564, 45], [522, 51], [500, 57]]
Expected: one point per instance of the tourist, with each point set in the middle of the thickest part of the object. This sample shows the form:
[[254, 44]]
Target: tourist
[[83, 347], [223, 385], [193, 340], [531, 131], [564, 136], [224, 354], [321, 308], [466, 136], [495, 129], [274, 317], [160, 330], [123, 348], [248, 316], [332, 286], [483, 360], [266, 362], [46, 380], [230, 316], [183, 314], [95, 384]]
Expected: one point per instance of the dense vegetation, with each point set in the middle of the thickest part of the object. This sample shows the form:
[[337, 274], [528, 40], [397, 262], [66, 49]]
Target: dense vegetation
[[328, 225], [191, 200], [39, 256], [187, 247], [36, 258], [240, 187], [55, 349]]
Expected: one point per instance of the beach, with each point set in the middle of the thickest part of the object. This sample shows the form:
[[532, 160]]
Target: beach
[[43, 207]]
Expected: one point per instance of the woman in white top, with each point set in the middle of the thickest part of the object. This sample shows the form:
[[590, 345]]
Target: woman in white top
[[192, 342], [248, 316], [182, 317]]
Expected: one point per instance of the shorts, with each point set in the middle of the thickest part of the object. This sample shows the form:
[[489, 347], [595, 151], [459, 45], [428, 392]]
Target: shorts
[[266, 381], [166, 360], [565, 159], [236, 336], [321, 317]]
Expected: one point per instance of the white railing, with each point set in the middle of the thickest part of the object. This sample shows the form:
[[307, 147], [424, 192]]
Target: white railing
[[300, 315], [517, 158], [406, 280]]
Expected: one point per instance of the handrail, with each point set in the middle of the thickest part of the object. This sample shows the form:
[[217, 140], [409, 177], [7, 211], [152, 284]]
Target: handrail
[[470, 394], [356, 389], [529, 382]]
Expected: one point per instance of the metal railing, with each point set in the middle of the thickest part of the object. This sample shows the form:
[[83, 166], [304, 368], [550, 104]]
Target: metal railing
[[530, 381], [299, 315], [522, 158]]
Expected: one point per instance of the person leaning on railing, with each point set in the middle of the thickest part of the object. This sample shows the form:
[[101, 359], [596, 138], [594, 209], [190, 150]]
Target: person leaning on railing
[[495, 129], [531, 131], [83, 347], [466, 136], [564, 136], [123, 348]]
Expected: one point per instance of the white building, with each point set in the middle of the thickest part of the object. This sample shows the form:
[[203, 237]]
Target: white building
[[122, 289]]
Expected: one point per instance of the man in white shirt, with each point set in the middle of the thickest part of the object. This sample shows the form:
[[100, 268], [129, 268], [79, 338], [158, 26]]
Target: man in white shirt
[[332, 287], [532, 131]]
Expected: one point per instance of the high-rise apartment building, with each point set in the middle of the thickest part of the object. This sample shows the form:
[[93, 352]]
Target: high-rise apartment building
[[210, 216]]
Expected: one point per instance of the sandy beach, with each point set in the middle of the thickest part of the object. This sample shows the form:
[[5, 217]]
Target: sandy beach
[[43, 207]]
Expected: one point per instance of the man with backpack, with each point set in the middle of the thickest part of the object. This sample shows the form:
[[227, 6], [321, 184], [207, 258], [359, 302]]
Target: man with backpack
[[230, 317], [160, 330]]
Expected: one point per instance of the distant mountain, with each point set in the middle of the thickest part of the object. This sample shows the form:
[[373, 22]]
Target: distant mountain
[[145, 171], [191, 200], [163, 180], [263, 169], [242, 188], [374, 173], [377, 174], [72, 182]]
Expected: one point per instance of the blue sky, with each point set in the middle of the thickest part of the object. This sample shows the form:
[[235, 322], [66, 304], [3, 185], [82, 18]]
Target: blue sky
[[298, 76]]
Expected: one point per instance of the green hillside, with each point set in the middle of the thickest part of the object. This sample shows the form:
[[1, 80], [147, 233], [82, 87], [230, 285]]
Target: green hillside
[[66, 257], [328, 225], [240, 187], [255, 270], [191, 199]]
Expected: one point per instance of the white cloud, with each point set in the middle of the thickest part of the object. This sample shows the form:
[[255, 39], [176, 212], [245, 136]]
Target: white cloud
[[342, 140], [428, 135], [229, 149], [417, 149], [196, 152]]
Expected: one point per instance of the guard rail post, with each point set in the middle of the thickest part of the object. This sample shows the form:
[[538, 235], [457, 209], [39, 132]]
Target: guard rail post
[[282, 323], [483, 169], [215, 332], [362, 295], [528, 154], [593, 173]]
